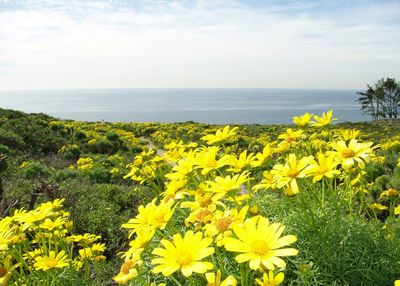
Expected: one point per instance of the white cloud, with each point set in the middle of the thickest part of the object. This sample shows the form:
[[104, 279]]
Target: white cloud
[[100, 44]]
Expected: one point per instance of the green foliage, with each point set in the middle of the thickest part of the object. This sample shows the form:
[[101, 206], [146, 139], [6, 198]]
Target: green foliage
[[335, 250], [65, 174], [381, 100], [71, 152], [102, 147], [100, 208], [5, 150], [10, 139], [35, 170]]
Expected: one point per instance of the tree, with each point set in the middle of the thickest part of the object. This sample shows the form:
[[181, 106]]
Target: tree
[[381, 100]]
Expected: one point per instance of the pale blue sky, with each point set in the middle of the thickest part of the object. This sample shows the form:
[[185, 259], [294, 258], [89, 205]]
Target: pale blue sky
[[217, 43]]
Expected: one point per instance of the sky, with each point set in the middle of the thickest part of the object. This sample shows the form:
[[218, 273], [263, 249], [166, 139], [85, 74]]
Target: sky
[[198, 44]]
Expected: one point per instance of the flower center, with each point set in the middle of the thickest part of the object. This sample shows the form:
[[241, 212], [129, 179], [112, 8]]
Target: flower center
[[223, 224], [203, 215], [322, 170], [184, 259], [128, 265], [293, 173], [3, 272], [348, 153], [205, 201], [259, 247], [289, 139], [51, 263]]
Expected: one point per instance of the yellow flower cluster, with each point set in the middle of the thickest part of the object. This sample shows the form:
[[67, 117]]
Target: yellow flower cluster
[[85, 163], [204, 204], [40, 240]]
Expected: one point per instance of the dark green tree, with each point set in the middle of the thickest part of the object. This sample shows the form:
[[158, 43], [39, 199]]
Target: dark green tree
[[382, 100]]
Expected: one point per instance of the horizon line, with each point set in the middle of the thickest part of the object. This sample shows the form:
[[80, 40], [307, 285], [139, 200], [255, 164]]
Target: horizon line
[[171, 88]]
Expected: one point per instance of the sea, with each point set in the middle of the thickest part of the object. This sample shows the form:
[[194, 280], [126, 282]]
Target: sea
[[214, 106]]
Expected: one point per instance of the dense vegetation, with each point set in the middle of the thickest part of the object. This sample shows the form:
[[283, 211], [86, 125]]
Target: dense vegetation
[[194, 204]]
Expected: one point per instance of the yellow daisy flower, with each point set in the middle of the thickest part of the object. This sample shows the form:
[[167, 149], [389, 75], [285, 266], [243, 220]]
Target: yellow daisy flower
[[221, 136], [183, 254], [214, 279], [259, 242], [150, 217], [129, 271], [286, 175], [324, 120], [326, 167], [303, 120], [351, 153], [53, 260], [271, 280]]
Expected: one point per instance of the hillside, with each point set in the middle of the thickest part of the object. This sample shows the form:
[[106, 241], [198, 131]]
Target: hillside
[[89, 203]]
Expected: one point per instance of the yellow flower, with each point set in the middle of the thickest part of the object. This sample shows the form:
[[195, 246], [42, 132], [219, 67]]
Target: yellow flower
[[206, 160], [53, 260], [326, 167], [222, 223], [389, 193], [282, 147], [128, 271], [214, 279], [351, 153], [271, 280], [348, 134], [286, 175], [50, 225], [85, 163], [200, 216], [221, 136], [303, 120], [183, 254], [397, 210], [237, 164], [228, 183], [85, 253], [24, 164], [378, 207], [150, 218], [84, 239], [324, 120], [397, 283], [203, 199], [175, 189], [6, 270], [266, 183], [260, 243], [182, 168], [262, 157], [7, 238], [291, 135]]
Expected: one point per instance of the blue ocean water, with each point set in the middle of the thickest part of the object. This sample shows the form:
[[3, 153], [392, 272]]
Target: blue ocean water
[[219, 106]]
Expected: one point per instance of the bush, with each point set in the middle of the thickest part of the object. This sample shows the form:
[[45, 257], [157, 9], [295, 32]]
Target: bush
[[70, 152], [5, 150], [10, 139], [101, 208], [34, 170], [65, 174], [102, 147]]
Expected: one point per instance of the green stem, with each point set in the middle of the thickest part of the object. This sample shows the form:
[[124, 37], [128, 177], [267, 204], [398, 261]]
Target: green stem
[[176, 281]]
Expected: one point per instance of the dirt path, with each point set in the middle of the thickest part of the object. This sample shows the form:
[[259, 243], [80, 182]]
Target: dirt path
[[150, 144]]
